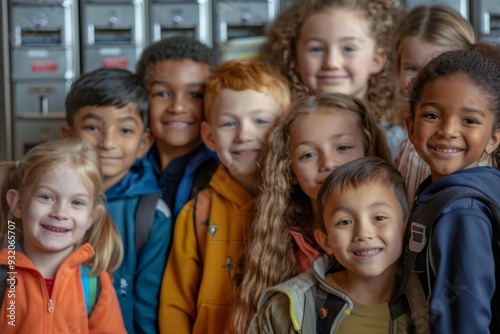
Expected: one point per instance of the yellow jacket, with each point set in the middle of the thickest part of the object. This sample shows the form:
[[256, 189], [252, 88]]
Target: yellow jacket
[[196, 290]]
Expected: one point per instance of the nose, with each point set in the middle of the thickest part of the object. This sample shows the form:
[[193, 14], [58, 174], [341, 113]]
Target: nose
[[59, 211], [332, 59], [363, 231], [178, 104], [245, 133], [447, 128], [107, 139], [328, 162]]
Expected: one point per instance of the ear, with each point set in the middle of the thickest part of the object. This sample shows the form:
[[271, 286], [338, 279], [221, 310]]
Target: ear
[[322, 240], [14, 201], [97, 213], [207, 135], [409, 128], [147, 141], [378, 61], [66, 131], [493, 142]]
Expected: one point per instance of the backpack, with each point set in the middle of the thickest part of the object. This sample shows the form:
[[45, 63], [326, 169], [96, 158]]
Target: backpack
[[201, 214], [91, 287], [421, 222], [144, 217]]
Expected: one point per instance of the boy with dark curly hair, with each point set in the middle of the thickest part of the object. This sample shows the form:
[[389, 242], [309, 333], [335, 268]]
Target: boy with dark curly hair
[[174, 71]]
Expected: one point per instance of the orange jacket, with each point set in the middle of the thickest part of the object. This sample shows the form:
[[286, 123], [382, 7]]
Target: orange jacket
[[27, 305]]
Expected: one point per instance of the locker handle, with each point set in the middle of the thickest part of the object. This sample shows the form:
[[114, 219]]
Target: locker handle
[[90, 34], [43, 104], [487, 23], [223, 32]]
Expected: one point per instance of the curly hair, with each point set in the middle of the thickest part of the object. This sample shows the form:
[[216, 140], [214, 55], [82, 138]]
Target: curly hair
[[382, 16], [177, 47], [270, 256], [481, 65]]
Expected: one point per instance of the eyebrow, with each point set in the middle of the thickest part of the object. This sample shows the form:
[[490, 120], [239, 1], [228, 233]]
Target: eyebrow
[[43, 186], [166, 83], [468, 110], [371, 206], [309, 142], [99, 118]]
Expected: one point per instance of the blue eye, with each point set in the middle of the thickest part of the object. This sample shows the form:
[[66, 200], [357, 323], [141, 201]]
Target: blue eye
[[196, 95], [344, 148]]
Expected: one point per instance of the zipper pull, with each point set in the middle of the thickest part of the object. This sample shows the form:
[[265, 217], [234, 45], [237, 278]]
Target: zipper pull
[[51, 308]]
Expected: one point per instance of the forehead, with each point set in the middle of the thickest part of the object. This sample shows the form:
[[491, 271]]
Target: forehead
[[109, 114], [177, 71], [365, 193], [230, 100], [456, 90], [421, 51], [335, 23], [62, 173], [334, 119]]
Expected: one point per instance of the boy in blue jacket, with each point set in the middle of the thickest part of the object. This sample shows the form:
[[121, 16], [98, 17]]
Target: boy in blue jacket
[[108, 108], [175, 71]]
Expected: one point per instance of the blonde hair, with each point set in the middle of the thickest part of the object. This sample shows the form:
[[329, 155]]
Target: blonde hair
[[381, 16], [270, 256], [246, 74], [102, 235], [440, 25]]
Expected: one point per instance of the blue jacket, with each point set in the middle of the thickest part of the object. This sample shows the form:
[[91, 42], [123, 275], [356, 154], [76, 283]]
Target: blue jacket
[[177, 180], [460, 259], [137, 281]]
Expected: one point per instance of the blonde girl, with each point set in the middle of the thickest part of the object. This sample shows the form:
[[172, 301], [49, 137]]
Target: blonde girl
[[316, 135], [426, 32], [343, 46], [54, 222]]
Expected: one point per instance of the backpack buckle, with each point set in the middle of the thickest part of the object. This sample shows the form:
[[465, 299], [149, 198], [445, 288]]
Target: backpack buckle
[[417, 237]]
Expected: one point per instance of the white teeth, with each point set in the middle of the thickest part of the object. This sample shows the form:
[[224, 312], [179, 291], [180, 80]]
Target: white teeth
[[447, 151], [55, 229], [370, 252]]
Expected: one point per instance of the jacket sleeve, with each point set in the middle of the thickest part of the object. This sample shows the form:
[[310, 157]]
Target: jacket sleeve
[[106, 316], [464, 266], [179, 293], [150, 267], [273, 317]]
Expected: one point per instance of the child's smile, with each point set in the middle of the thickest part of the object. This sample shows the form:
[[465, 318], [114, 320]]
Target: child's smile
[[452, 126]]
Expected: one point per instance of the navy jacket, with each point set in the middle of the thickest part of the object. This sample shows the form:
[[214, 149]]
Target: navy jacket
[[461, 256], [137, 281]]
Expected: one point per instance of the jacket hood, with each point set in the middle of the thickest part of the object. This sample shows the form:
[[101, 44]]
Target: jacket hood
[[482, 179], [140, 180]]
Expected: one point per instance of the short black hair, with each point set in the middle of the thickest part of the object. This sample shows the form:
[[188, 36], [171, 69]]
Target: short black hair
[[177, 47], [107, 87], [357, 173]]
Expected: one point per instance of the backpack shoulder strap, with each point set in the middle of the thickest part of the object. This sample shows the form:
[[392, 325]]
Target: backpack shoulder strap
[[91, 289], [328, 307], [203, 175], [201, 214], [420, 225], [144, 216]]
